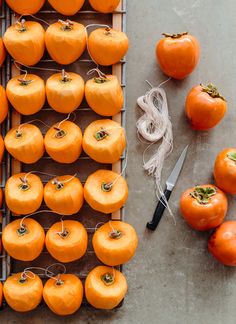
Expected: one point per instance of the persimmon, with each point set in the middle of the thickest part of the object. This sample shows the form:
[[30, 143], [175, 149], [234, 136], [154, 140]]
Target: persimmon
[[25, 7], [105, 191], [26, 93], [67, 242], [205, 107], [3, 52], [25, 42], [115, 243], [65, 41], [104, 95], [4, 106], [63, 142], [67, 7], [105, 287], [24, 193], [25, 143], [204, 207], [107, 46], [222, 244], [225, 170], [23, 293], [1, 294], [104, 141], [65, 91], [2, 148], [178, 54], [64, 195], [63, 297], [23, 239], [104, 6]]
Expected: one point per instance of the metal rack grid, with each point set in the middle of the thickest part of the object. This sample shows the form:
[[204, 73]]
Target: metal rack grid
[[10, 266]]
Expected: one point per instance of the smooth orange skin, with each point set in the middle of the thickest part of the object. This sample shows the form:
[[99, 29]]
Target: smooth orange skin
[[2, 148], [66, 201], [65, 97], [25, 47], [106, 99], [225, 172], [23, 297], [104, 6], [1, 294], [66, 149], [115, 251], [107, 49], [178, 57], [67, 7], [4, 106], [26, 99], [108, 150], [102, 296], [29, 148], [222, 244], [22, 202], [25, 6], [203, 111], [105, 202], [3, 52], [65, 47], [65, 299], [26, 247], [203, 217], [1, 197], [69, 248]]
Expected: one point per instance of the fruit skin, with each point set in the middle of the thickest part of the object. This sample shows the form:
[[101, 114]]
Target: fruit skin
[[112, 250], [4, 106], [1, 294], [23, 296], [178, 56], [66, 149], [104, 95], [28, 98], [3, 52], [102, 296], [26, 47], [65, 96], [2, 148], [29, 147], [105, 201], [67, 7], [204, 216], [23, 247], [109, 149], [25, 6], [203, 111], [107, 46], [64, 299], [222, 244], [104, 6], [64, 195], [65, 46], [71, 246], [225, 171], [20, 201]]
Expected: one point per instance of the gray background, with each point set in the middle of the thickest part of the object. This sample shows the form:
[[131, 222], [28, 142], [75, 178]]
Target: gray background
[[172, 279]]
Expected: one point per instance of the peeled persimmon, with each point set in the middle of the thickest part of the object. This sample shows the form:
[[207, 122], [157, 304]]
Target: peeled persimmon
[[104, 6], [3, 52], [2, 148], [25, 7], [67, 7], [4, 106]]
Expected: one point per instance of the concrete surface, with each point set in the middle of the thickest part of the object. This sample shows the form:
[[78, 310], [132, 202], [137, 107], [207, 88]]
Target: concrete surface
[[173, 279]]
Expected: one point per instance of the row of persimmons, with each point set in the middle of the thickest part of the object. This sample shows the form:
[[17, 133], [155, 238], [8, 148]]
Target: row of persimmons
[[114, 243], [65, 7]]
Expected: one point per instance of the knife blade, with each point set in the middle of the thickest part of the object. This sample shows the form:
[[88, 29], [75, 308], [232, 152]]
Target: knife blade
[[170, 184]]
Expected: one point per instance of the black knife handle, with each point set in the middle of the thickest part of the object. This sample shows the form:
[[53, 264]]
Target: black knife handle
[[159, 211]]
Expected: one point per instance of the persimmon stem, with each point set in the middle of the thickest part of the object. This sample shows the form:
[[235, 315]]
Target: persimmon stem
[[107, 186], [107, 31], [64, 76], [24, 185], [108, 279], [60, 132], [18, 134], [212, 90], [66, 25], [101, 134], [24, 82], [22, 28], [22, 230], [100, 80], [175, 35], [232, 156], [59, 282], [203, 194], [115, 234]]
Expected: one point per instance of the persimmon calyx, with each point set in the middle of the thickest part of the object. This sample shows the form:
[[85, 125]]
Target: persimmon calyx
[[64, 233], [232, 156], [115, 234], [21, 24], [60, 132], [22, 230], [203, 195], [101, 134], [58, 184], [107, 31], [107, 186], [212, 90], [100, 80], [174, 36], [108, 279], [18, 134], [67, 25], [64, 77], [24, 82], [22, 279], [59, 282], [24, 186]]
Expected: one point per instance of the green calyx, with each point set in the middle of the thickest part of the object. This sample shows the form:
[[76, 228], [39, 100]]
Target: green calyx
[[64, 234], [24, 82], [212, 90], [22, 230], [101, 134], [232, 156], [108, 279], [24, 186], [115, 234], [100, 80], [203, 195], [107, 186], [60, 133], [174, 36]]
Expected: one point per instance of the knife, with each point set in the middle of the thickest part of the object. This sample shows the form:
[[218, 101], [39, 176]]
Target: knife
[[170, 184]]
